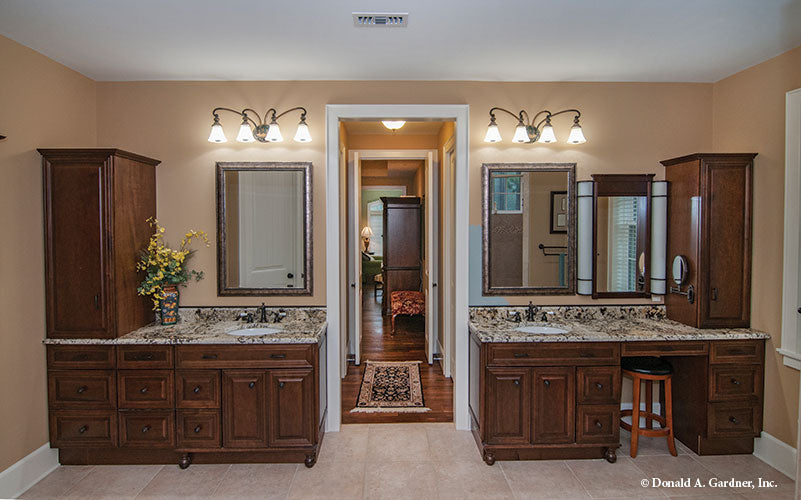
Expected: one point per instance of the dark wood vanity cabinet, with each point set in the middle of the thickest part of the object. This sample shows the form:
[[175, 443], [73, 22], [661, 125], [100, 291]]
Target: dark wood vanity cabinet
[[164, 404], [96, 206], [709, 223]]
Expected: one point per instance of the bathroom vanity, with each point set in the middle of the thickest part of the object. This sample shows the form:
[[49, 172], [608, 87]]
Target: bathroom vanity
[[191, 392], [557, 395]]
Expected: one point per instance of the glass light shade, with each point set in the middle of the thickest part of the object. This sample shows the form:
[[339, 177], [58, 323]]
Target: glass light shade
[[393, 124], [245, 133], [547, 135], [217, 135], [274, 133], [493, 134], [302, 134], [521, 135], [584, 247], [659, 191], [576, 135], [367, 231]]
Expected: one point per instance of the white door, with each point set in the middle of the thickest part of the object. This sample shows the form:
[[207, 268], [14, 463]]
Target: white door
[[449, 261], [355, 173], [270, 205], [431, 255]]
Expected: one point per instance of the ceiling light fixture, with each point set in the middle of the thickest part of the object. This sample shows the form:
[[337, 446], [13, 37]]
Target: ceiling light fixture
[[393, 125], [258, 129], [527, 132]]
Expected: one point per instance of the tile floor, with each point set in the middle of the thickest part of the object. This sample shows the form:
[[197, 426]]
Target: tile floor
[[419, 461]]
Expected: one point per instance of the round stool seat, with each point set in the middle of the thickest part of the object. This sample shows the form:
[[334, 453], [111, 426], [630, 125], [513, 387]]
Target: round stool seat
[[648, 365]]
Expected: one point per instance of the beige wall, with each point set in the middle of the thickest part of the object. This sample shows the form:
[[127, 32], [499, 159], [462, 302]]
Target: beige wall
[[748, 116], [44, 104]]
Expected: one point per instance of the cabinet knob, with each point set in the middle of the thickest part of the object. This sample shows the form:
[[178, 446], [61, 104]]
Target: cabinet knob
[[714, 294], [197, 429], [281, 385], [143, 390], [196, 389], [145, 429], [81, 389], [735, 381], [599, 385], [598, 424], [252, 385], [547, 383], [83, 429], [145, 357], [516, 382], [734, 420]]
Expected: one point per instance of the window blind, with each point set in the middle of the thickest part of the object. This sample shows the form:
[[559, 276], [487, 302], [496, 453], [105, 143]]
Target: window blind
[[623, 244]]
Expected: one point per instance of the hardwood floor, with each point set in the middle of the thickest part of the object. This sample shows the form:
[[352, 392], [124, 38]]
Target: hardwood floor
[[408, 344]]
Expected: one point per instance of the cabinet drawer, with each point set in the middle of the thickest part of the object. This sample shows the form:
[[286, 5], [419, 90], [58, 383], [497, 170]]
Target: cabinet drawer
[[248, 356], [83, 428], [733, 420], [597, 423], [598, 384], [147, 429], [144, 356], [197, 389], [82, 357], [737, 351], [670, 348], [554, 354], [728, 383], [81, 389], [145, 388], [198, 429]]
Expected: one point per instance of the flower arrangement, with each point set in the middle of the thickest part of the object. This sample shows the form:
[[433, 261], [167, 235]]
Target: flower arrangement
[[164, 266]]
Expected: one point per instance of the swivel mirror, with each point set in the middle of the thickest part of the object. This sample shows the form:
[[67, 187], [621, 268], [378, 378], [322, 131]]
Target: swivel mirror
[[621, 235], [529, 228], [679, 270], [264, 228]]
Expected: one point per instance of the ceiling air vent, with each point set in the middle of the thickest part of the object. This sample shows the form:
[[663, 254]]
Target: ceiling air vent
[[380, 20]]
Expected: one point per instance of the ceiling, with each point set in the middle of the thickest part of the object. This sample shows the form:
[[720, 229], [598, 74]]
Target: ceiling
[[377, 128], [510, 40], [393, 169]]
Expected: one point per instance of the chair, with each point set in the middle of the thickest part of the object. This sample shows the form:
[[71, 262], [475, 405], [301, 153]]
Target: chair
[[648, 369], [406, 302]]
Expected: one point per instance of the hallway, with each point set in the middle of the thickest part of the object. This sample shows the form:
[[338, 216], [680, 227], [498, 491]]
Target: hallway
[[408, 344]]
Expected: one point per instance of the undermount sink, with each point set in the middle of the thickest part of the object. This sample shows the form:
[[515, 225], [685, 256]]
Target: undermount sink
[[252, 332], [541, 330]]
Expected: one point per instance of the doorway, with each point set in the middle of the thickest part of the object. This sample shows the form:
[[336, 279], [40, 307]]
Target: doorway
[[336, 231]]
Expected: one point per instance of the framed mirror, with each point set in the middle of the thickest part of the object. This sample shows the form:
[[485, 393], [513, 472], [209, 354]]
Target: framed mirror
[[529, 228], [621, 235], [264, 228]]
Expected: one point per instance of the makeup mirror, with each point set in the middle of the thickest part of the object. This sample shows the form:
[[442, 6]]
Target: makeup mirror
[[679, 270]]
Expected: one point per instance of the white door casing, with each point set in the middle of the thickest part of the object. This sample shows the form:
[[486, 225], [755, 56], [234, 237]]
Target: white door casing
[[355, 278], [432, 255], [448, 274]]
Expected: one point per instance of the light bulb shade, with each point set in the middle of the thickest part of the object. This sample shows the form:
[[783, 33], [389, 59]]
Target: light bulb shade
[[274, 133], [576, 135], [493, 134], [659, 191], [217, 135], [367, 232], [547, 135], [584, 268], [245, 133], [393, 124], [302, 134], [521, 134]]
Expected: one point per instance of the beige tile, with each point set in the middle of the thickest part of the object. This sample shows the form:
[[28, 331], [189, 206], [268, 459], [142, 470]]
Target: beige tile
[[604, 480], [785, 491], [329, 481], [542, 479], [741, 468], [392, 480], [397, 443], [114, 482], [263, 481], [198, 481], [58, 482], [448, 444], [349, 444], [466, 480], [676, 469], [648, 446]]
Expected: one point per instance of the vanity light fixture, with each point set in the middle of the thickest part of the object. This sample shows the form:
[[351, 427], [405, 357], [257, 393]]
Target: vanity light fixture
[[659, 193], [529, 131], [393, 125], [255, 127], [585, 191]]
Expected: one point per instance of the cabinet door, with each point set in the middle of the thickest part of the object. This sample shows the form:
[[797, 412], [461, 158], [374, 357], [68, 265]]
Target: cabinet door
[[508, 408], [291, 401], [554, 405], [76, 253], [244, 408]]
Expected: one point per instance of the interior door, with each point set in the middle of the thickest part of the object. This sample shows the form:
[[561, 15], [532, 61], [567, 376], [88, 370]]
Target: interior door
[[356, 255], [269, 206], [431, 255], [449, 246]]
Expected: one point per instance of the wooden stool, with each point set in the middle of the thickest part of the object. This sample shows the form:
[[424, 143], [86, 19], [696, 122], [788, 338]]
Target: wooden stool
[[648, 369]]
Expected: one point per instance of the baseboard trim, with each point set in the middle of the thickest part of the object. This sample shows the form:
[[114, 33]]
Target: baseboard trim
[[18, 478], [776, 453]]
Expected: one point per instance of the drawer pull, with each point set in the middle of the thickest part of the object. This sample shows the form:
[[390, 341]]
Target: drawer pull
[[587, 355], [281, 384], [81, 357], [516, 382], [734, 420], [599, 385], [197, 429], [278, 356], [81, 389], [521, 354], [196, 389], [144, 357], [547, 383], [209, 356], [145, 429], [143, 390], [598, 424], [252, 385], [735, 381], [83, 429]]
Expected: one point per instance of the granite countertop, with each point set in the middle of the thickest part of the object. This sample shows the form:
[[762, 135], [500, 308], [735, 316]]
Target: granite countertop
[[595, 324], [208, 325]]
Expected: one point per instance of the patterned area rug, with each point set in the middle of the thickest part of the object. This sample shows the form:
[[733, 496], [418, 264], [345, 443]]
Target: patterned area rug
[[391, 387]]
